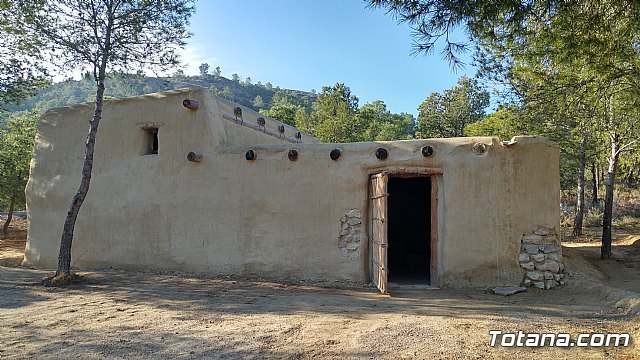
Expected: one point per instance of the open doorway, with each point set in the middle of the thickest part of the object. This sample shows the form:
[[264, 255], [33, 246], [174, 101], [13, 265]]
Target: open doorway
[[409, 230]]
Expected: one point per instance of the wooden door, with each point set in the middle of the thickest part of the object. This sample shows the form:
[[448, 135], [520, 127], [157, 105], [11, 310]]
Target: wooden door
[[378, 236]]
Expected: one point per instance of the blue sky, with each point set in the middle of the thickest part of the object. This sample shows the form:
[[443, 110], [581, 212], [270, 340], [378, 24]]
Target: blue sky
[[307, 44]]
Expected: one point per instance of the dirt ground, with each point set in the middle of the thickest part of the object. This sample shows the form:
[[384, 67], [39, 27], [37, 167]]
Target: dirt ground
[[134, 315]]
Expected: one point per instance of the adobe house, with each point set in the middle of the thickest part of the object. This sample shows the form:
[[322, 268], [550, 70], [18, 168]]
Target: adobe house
[[188, 181]]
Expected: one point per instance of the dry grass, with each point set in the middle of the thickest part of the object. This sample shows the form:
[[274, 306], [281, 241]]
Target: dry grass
[[593, 217], [626, 212]]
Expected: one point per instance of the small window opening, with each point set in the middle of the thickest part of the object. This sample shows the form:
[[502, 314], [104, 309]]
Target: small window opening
[[151, 139]]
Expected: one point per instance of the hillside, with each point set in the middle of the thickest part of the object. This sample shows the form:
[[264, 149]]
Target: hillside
[[71, 92]]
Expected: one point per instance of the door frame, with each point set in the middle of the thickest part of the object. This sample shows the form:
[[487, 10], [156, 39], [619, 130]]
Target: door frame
[[436, 176]]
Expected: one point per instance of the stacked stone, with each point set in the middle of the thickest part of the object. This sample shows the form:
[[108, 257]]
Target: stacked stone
[[351, 234], [541, 259]]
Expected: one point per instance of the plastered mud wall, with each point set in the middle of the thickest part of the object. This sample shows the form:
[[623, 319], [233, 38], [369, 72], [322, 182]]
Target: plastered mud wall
[[273, 216]]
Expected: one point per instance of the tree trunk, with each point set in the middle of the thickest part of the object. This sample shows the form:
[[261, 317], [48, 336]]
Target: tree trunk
[[605, 252], [594, 184], [600, 172], [579, 215], [5, 227], [99, 74], [64, 258]]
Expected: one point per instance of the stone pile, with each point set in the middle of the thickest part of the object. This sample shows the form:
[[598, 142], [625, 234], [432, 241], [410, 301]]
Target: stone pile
[[541, 259], [352, 234]]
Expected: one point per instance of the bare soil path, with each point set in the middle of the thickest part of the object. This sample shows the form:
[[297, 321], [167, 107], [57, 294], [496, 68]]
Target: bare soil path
[[623, 270], [139, 315]]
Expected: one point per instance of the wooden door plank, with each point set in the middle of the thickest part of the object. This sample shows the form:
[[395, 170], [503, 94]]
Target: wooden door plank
[[379, 241]]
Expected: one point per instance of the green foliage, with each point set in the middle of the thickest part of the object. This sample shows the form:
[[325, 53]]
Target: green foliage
[[395, 127], [334, 116], [574, 69], [574, 73], [503, 123], [447, 114], [509, 121], [215, 91], [570, 67], [16, 147], [204, 70], [283, 111], [280, 96], [126, 35], [433, 20], [385, 126], [258, 103], [568, 172], [21, 71], [301, 119], [228, 94], [337, 118], [283, 104]]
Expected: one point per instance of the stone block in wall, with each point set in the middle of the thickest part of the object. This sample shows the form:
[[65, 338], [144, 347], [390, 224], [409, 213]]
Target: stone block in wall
[[352, 234], [535, 275], [538, 284], [532, 239], [528, 265], [548, 248], [531, 249], [540, 258], [554, 257], [549, 265], [523, 258], [548, 275]]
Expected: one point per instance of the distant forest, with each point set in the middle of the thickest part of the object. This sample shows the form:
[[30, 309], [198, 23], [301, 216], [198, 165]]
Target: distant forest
[[333, 115], [118, 85]]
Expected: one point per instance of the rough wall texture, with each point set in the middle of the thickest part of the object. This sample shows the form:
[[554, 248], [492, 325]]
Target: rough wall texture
[[541, 259], [272, 216], [352, 234]]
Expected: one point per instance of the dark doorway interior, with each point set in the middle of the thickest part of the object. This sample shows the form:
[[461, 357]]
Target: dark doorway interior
[[409, 230]]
